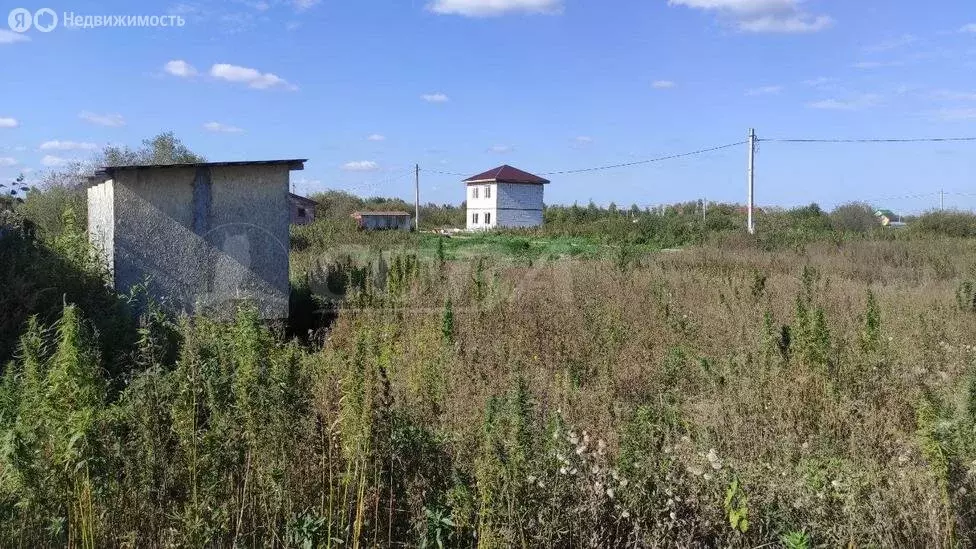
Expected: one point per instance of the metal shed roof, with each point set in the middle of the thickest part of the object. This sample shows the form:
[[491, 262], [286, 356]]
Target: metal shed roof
[[302, 199], [361, 214], [292, 163]]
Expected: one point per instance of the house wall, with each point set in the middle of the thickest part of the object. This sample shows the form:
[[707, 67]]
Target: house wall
[[510, 205], [519, 205], [481, 206], [206, 237]]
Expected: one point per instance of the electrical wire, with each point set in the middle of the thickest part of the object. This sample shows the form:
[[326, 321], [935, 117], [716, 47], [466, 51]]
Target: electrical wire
[[887, 140], [613, 166], [639, 162]]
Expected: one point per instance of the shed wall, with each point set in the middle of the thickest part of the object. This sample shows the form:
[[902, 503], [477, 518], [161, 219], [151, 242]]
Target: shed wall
[[206, 237], [101, 223]]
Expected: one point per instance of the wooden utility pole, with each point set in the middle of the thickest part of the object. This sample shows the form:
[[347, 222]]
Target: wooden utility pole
[[416, 204], [941, 200], [752, 180]]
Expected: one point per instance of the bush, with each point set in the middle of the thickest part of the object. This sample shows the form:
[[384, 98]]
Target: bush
[[854, 217], [946, 223]]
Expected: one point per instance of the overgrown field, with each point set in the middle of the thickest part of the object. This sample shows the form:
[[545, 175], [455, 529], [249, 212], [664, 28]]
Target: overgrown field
[[724, 395]]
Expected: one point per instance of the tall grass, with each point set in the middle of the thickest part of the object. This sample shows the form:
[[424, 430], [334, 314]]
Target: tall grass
[[740, 393]]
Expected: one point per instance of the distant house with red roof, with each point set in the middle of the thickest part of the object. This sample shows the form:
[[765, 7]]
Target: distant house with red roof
[[504, 197]]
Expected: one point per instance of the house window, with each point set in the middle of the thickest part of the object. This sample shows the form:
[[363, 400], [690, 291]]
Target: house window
[[487, 191], [487, 219], [301, 212], [474, 192], [474, 219]]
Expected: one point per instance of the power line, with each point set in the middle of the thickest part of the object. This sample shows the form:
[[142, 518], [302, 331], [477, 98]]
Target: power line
[[372, 185], [428, 170], [613, 166], [639, 162], [885, 140]]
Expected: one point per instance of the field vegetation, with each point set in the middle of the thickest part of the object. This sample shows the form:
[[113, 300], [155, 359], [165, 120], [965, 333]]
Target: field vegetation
[[617, 378]]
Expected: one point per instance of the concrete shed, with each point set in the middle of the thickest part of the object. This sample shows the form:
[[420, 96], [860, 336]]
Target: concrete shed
[[206, 236], [378, 221], [302, 209]]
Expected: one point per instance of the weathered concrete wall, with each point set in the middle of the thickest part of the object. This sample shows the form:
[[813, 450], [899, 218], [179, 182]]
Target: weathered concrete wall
[[206, 237], [101, 223], [297, 209]]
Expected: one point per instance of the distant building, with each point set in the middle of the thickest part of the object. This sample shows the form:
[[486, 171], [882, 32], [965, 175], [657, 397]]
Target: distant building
[[504, 197], [205, 235], [302, 209], [379, 221], [888, 219]]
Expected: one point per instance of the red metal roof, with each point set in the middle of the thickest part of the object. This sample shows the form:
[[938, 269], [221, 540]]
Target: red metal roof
[[507, 174]]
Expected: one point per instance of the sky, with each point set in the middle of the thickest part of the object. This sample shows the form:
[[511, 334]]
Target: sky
[[366, 89]]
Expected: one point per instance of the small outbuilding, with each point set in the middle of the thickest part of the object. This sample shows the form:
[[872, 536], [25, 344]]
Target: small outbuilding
[[504, 197], [203, 236], [302, 209], [887, 218], [381, 221]]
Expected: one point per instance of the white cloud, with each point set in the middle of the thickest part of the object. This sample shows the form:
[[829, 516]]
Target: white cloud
[[7, 161], [435, 97], [52, 161], [968, 28], [795, 24], [178, 67], [894, 43], [376, 137], [252, 77], [867, 65], [863, 101], [764, 90], [500, 149], [361, 166], [217, 127], [7, 122], [583, 139], [949, 95], [11, 37], [955, 115], [302, 5], [819, 82], [108, 120], [662, 84], [490, 8], [762, 16], [67, 146]]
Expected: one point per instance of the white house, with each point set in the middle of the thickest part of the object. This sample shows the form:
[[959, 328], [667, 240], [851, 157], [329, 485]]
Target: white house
[[504, 197]]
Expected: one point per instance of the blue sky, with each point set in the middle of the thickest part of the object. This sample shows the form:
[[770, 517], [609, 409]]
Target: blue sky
[[366, 88]]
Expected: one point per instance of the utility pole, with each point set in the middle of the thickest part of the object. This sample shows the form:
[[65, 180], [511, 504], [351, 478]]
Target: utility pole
[[416, 204], [941, 200], [752, 179], [704, 207]]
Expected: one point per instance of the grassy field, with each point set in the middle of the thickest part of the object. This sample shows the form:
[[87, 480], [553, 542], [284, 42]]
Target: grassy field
[[497, 390]]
